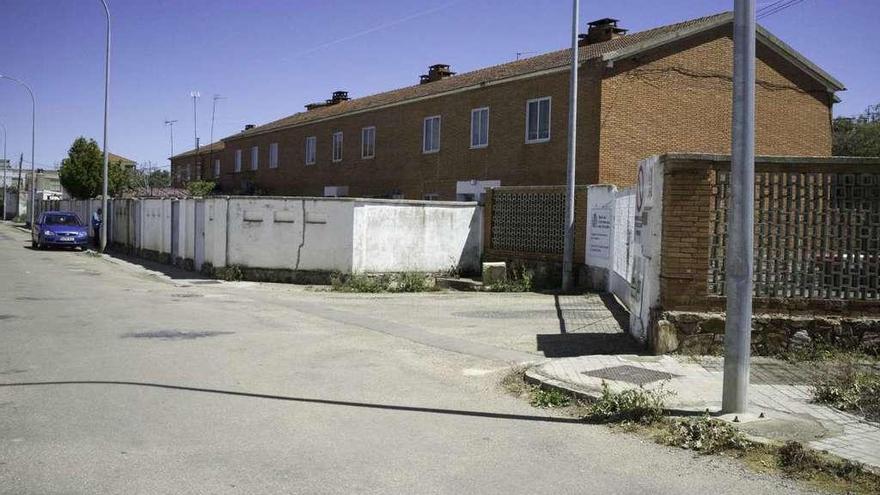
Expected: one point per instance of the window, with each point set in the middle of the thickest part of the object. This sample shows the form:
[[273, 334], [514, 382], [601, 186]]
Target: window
[[480, 127], [431, 197], [198, 170], [238, 160], [188, 172], [273, 155], [368, 142], [538, 120], [311, 149], [216, 167], [337, 146], [431, 135], [255, 157]]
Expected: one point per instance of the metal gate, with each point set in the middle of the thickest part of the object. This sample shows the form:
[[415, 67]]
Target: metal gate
[[622, 262]]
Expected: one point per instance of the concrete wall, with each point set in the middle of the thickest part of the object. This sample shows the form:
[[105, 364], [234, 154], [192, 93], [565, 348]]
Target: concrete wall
[[290, 233], [309, 234], [395, 236]]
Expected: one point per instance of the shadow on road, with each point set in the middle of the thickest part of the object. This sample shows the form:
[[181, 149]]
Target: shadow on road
[[169, 271], [387, 407], [588, 328]]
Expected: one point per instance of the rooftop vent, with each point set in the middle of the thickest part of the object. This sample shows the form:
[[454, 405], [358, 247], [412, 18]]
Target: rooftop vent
[[436, 72], [338, 97], [248, 127], [601, 30]]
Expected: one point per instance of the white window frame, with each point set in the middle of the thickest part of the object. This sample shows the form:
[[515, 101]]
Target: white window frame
[[425, 150], [255, 157], [216, 167], [311, 149], [368, 148], [237, 161], [549, 119], [273, 155], [477, 111], [333, 142]]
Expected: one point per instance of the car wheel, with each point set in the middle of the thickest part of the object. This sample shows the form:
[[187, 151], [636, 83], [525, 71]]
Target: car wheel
[[33, 244]]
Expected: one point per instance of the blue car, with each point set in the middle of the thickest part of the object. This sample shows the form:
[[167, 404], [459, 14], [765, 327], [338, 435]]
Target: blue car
[[59, 228]]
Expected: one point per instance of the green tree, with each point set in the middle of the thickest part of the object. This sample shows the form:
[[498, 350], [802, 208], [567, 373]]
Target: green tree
[[859, 135], [200, 188], [81, 172]]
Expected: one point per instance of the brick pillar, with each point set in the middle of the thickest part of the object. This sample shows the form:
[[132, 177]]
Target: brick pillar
[[688, 198]]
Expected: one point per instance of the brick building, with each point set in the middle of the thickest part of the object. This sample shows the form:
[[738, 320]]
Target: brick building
[[661, 90]]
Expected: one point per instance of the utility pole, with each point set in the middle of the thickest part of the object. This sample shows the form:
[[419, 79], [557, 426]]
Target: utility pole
[[104, 214], [170, 123], [5, 166], [741, 215], [211, 142], [195, 96], [568, 248], [18, 191]]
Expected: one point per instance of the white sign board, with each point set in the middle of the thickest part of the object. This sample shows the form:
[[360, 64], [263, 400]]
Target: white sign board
[[599, 241]]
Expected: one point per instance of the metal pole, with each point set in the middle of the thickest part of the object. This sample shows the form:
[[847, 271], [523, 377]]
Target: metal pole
[[568, 249], [5, 166], [104, 188], [211, 140], [195, 95], [33, 145], [740, 227]]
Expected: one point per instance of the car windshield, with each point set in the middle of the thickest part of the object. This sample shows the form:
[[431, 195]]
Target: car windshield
[[71, 220]]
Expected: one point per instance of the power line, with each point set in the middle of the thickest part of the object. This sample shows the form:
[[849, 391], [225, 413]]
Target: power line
[[776, 7]]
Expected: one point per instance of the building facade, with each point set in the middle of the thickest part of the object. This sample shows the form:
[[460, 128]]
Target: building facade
[[663, 90]]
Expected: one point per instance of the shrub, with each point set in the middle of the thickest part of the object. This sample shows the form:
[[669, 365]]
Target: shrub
[[795, 459], [705, 435], [398, 282], [631, 405], [518, 280], [549, 398], [231, 273], [200, 188], [850, 388]]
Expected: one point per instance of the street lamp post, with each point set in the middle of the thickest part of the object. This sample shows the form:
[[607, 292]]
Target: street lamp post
[[33, 191], [568, 246], [740, 221], [106, 116], [5, 166], [195, 96], [211, 139]]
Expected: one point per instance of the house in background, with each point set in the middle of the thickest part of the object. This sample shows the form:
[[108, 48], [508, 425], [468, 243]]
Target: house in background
[[451, 136]]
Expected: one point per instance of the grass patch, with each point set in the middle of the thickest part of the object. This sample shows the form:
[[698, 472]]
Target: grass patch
[[546, 398], [632, 405], [519, 279], [393, 282], [850, 386]]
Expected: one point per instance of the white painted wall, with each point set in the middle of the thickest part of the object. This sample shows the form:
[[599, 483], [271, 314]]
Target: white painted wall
[[394, 236], [326, 234], [291, 233], [646, 248]]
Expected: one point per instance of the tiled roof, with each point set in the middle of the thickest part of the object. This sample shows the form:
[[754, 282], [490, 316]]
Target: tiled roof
[[215, 146], [521, 67]]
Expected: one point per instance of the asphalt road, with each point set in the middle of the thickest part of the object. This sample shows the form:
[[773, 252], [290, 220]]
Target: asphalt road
[[115, 379]]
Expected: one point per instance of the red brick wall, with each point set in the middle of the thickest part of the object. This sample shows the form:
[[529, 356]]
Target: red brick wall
[[678, 99]]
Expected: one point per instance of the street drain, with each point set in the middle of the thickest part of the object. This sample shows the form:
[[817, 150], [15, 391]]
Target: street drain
[[630, 374], [173, 335]]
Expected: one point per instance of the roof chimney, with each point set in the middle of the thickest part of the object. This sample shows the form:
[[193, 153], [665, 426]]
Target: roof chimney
[[601, 30], [337, 97], [436, 72], [248, 127]]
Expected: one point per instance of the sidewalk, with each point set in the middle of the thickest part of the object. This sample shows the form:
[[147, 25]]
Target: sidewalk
[[780, 390]]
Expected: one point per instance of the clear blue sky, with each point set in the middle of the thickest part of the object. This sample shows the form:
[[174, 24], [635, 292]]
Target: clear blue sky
[[270, 57]]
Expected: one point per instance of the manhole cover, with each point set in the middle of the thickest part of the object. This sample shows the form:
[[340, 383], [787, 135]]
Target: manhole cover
[[172, 335], [630, 374]]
